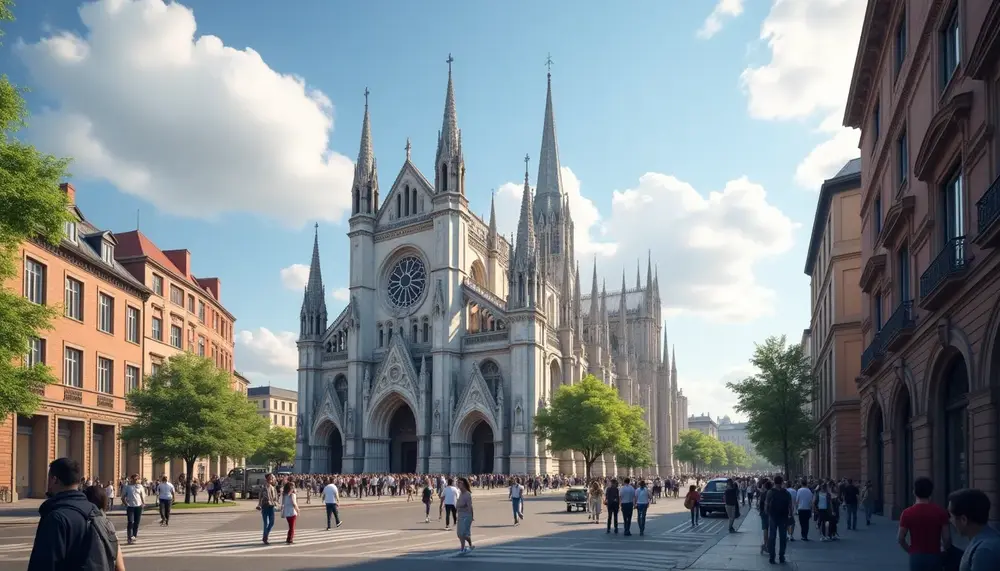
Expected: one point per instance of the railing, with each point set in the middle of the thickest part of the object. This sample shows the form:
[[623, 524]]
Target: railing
[[487, 337], [988, 207], [874, 352], [485, 293], [40, 391], [105, 401], [900, 320], [949, 262], [72, 395], [335, 356]]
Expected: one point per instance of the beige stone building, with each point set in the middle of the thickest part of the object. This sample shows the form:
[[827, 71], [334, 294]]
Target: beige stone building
[[279, 406]]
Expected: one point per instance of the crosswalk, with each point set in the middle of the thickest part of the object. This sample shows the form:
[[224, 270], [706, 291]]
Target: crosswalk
[[707, 528]]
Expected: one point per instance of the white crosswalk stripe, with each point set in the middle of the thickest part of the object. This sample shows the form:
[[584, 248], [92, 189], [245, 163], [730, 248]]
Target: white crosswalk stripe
[[632, 559]]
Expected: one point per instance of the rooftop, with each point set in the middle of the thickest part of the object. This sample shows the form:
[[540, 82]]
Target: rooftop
[[274, 392]]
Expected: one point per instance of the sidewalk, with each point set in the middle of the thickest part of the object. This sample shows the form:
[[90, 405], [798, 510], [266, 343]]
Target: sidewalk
[[26, 511], [870, 547]]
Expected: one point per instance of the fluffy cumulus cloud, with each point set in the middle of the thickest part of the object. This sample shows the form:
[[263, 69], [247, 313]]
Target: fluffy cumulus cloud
[[193, 126], [705, 247], [812, 46], [724, 10], [295, 276], [266, 356], [341, 294]]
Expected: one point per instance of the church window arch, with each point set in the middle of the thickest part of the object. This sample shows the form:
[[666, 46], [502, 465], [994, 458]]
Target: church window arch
[[444, 176], [492, 375], [388, 332], [406, 200], [426, 331], [414, 201], [340, 387], [414, 332], [399, 206], [381, 336]]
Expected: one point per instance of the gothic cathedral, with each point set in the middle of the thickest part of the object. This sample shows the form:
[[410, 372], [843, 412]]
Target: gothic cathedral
[[454, 335]]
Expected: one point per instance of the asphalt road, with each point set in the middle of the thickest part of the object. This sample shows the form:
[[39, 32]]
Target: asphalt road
[[381, 537]]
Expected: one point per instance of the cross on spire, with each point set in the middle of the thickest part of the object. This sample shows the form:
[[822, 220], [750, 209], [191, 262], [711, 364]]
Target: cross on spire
[[366, 96], [408, 148], [526, 159], [450, 60], [548, 63]]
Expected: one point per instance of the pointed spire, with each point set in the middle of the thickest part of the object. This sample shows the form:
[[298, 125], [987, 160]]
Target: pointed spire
[[491, 240], [605, 326], [638, 275], [449, 144], [549, 188], [666, 346], [577, 303], [623, 320], [314, 286], [673, 362], [409, 148], [595, 309], [526, 223], [365, 186], [649, 274]]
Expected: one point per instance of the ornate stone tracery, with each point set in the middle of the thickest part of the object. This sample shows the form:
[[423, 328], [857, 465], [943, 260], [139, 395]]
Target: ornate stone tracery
[[476, 400]]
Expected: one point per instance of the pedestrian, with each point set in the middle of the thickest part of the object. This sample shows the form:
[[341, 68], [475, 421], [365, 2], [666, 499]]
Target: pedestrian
[[923, 528], [779, 508], [627, 497], [268, 501], [642, 499], [463, 508], [330, 498], [691, 502], [427, 496], [516, 496], [72, 532], [98, 496], [970, 512], [165, 493], [596, 500], [763, 515], [851, 494], [612, 499], [732, 499], [289, 510], [449, 495], [133, 498]]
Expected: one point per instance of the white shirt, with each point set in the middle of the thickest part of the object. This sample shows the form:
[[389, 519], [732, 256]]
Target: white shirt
[[289, 507], [165, 490], [803, 499], [516, 490], [627, 494], [450, 495], [330, 494], [110, 491], [133, 495]]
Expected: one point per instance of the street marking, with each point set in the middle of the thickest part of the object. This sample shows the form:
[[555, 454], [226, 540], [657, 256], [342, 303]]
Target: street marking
[[629, 560]]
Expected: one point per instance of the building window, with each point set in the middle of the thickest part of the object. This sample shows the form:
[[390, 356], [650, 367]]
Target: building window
[[34, 281], [282, 405], [176, 295], [201, 346], [131, 378], [903, 158], [69, 229], [381, 336], [132, 324], [158, 329], [36, 352], [201, 311], [878, 312], [108, 253], [158, 285], [951, 47], [953, 208], [154, 369], [73, 299], [876, 121], [900, 44], [427, 332], [275, 419], [72, 367], [105, 313], [175, 336], [282, 421], [904, 274], [191, 303], [414, 335], [105, 375], [877, 215]]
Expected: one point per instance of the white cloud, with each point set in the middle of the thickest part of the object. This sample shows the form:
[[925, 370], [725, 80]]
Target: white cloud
[[706, 248], [712, 396], [266, 356], [295, 276], [341, 294], [813, 44], [724, 9], [191, 125]]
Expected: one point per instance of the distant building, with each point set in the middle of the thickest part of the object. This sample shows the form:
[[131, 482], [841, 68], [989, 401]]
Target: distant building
[[704, 423], [735, 432], [280, 406]]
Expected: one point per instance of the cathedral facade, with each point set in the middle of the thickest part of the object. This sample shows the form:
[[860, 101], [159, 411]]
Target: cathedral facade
[[454, 336]]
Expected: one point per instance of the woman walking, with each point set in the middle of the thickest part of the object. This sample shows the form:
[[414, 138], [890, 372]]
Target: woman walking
[[642, 499], [764, 519], [691, 501], [463, 506], [289, 510], [596, 500]]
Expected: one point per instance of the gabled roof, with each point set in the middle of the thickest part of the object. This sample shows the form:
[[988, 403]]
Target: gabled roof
[[85, 248]]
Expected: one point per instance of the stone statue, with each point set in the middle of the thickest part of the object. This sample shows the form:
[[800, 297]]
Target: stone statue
[[437, 415], [500, 398], [541, 403], [298, 423], [367, 383], [349, 423], [518, 415]]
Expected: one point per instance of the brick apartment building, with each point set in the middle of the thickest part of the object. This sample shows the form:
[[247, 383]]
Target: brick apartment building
[[833, 263], [101, 346], [925, 95]]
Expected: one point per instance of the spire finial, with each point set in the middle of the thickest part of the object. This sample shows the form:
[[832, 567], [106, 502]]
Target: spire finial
[[366, 96], [450, 61], [409, 147], [526, 160], [548, 63], [316, 227]]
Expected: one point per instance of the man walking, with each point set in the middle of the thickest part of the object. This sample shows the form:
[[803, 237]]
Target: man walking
[[804, 503], [330, 498], [778, 505], [134, 498], [516, 494], [449, 496], [627, 495], [732, 499], [850, 495]]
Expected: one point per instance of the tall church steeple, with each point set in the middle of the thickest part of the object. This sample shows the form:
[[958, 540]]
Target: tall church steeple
[[449, 169], [524, 266], [549, 188], [364, 189], [313, 314]]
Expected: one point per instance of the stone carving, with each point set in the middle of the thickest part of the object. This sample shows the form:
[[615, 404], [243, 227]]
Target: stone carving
[[439, 303], [437, 415], [368, 381], [518, 415], [451, 401], [423, 374], [541, 403], [349, 423], [298, 423], [355, 315], [500, 400]]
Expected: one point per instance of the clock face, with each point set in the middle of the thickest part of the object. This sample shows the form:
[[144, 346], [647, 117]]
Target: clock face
[[406, 282]]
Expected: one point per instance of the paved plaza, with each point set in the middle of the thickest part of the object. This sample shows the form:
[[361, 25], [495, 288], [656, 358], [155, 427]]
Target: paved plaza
[[380, 535]]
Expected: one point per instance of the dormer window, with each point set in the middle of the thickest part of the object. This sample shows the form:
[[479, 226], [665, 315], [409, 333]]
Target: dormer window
[[69, 228], [108, 252]]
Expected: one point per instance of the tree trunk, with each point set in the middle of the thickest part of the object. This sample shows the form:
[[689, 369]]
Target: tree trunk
[[189, 462], [589, 465]]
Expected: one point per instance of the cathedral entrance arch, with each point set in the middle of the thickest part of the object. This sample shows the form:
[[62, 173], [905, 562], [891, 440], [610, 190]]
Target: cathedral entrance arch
[[473, 444], [403, 441], [328, 452]]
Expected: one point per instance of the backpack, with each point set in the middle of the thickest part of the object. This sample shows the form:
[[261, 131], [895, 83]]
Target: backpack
[[778, 502], [100, 544]]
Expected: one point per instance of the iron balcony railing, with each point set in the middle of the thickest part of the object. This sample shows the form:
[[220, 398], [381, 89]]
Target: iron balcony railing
[[900, 321], [988, 207], [952, 260], [874, 352]]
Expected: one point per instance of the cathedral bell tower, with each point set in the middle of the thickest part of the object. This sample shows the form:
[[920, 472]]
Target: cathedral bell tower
[[312, 326], [449, 163]]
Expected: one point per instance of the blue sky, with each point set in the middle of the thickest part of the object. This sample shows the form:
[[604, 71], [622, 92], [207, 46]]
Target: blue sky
[[698, 130]]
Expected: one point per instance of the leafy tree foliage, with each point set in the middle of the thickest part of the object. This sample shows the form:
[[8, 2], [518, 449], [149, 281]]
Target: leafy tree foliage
[[31, 207], [699, 449], [278, 447], [736, 456], [636, 451], [189, 410], [777, 401], [588, 418]]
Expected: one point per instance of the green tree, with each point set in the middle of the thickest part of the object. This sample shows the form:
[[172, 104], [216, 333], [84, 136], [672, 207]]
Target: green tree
[[278, 447], [636, 451], [777, 401], [736, 456], [31, 207], [189, 410], [588, 418], [698, 449]]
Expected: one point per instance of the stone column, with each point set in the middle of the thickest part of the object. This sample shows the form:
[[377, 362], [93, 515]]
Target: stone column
[[983, 447]]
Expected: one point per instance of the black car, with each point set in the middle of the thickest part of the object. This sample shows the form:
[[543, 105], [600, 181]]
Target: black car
[[713, 497], [576, 497]]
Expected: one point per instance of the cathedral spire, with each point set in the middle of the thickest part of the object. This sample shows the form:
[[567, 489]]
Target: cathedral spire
[[549, 188], [450, 164], [638, 275], [605, 326], [364, 190], [649, 273], [666, 347], [491, 240], [673, 362], [313, 314], [526, 224], [595, 309], [623, 321], [577, 305]]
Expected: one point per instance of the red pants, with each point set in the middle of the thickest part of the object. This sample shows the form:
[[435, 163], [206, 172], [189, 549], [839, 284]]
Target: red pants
[[291, 528]]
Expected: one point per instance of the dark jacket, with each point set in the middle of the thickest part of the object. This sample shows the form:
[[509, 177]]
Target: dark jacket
[[60, 540]]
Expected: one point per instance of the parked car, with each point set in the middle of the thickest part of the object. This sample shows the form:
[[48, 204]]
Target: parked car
[[576, 497], [713, 497]]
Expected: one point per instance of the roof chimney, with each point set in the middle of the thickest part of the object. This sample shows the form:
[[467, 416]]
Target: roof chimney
[[213, 285], [69, 190], [181, 259]]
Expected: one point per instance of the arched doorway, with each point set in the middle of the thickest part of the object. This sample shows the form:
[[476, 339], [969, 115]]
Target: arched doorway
[[876, 456], [903, 434], [954, 408], [555, 377], [335, 445], [403, 441], [482, 449]]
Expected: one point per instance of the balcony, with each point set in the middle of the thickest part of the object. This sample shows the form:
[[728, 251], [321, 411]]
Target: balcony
[[896, 219], [988, 215], [899, 328], [873, 270], [944, 274], [873, 355]]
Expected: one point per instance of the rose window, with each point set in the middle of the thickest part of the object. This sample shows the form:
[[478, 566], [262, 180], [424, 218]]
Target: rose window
[[407, 282]]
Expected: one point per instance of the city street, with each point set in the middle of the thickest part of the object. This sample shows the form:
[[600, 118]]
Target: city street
[[376, 536]]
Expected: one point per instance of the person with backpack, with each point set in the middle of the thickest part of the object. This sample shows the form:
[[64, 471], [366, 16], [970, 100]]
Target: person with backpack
[[778, 505], [72, 532]]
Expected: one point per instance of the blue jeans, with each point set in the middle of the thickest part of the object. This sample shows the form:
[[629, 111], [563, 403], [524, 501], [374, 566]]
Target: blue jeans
[[515, 505], [627, 517], [641, 518], [777, 529], [133, 515], [852, 516], [331, 509], [267, 514]]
